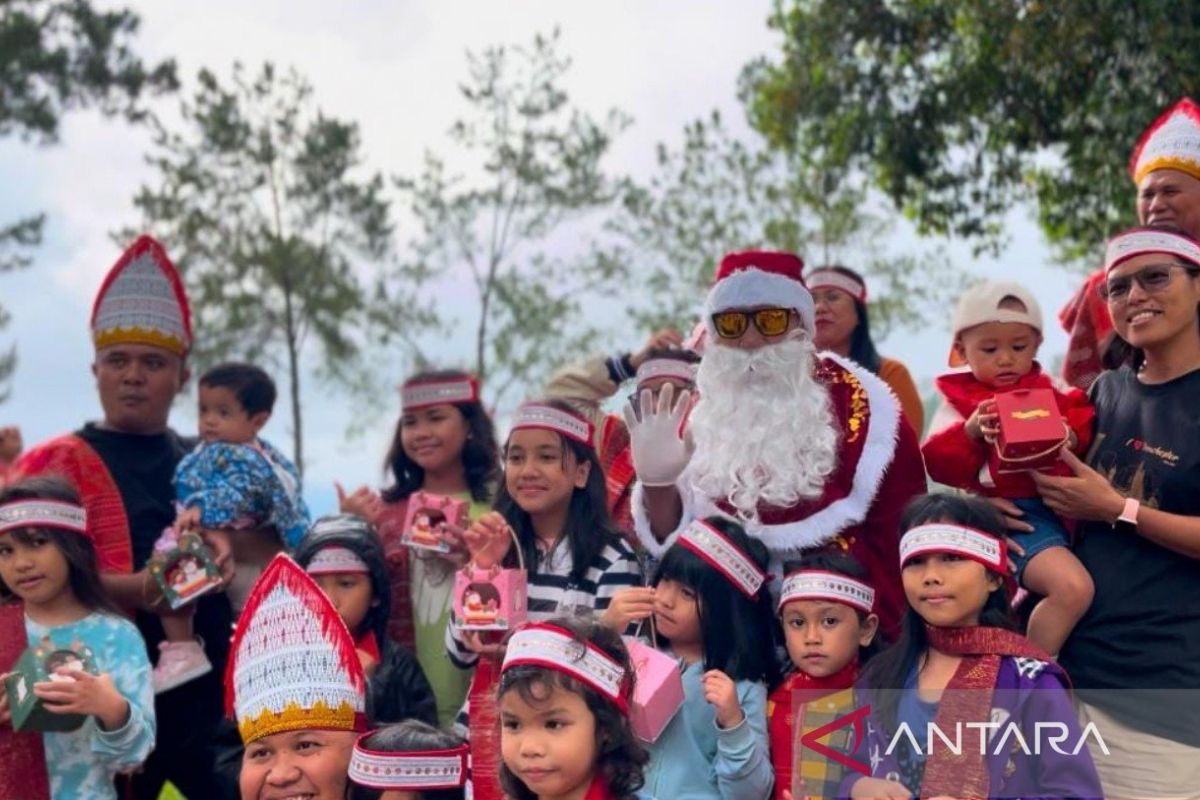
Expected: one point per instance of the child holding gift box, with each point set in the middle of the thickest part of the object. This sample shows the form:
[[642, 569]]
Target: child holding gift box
[[997, 331], [408, 761], [713, 609], [240, 490], [960, 665], [344, 556], [826, 607], [564, 714], [444, 444], [48, 563], [552, 503]]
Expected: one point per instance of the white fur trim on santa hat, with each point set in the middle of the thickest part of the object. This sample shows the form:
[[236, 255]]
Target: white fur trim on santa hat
[[751, 287], [883, 430]]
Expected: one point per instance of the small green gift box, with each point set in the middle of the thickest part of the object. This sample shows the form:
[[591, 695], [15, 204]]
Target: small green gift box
[[186, 572], [38, 664]]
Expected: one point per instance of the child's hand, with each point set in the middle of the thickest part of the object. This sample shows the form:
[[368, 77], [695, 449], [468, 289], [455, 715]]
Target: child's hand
[[5, 714], [878, 789], [364, 502], [10, 443], [222, 548], [628, 605], [488, 540], [720, 692], [93, 695], [984, 422], [368, 662], [187, 519], [478, 644], [453, 537]]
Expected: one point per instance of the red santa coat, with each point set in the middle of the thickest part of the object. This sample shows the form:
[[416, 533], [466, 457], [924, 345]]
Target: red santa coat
[[879, 469], [955, 459]]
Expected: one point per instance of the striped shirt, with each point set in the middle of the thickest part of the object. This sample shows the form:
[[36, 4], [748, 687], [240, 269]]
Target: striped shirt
[[553, 593]]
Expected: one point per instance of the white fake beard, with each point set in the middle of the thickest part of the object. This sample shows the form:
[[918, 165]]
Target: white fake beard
[[763, 427]]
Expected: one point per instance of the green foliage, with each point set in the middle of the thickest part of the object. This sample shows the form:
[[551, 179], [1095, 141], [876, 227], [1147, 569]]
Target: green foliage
[[717, 193], [959, 110], [56, 57], [260, 201], [530, 170]]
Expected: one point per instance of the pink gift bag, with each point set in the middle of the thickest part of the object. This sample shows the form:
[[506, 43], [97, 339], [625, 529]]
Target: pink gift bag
[[489, 601], [657, 691], [427, 515]]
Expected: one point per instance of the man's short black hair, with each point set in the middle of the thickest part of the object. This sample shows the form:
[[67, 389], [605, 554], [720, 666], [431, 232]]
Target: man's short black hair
[[253, 388]]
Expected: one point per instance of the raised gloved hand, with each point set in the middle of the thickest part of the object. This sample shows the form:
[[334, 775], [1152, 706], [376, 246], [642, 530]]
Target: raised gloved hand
[[660, 452]]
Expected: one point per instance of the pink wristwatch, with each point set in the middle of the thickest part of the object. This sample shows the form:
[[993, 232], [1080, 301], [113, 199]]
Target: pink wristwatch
[[1129, 514]]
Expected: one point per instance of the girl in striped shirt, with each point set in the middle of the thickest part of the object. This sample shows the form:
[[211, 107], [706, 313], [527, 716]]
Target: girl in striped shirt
[[551, 505]]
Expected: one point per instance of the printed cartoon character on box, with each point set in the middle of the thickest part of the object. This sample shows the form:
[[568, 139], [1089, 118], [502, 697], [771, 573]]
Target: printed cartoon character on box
[[426, 527], [63, 659], [186, 574], [481, 603]]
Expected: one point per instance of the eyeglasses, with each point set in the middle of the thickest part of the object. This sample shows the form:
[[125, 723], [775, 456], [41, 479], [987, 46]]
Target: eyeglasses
[[1154, 278], [769, 321]]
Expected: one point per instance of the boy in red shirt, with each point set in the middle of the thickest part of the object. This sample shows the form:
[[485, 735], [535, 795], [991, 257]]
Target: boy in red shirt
[[997, 332]]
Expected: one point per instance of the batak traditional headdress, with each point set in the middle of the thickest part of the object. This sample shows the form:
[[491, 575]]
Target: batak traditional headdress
[[819, 584], [411, 771], [555, 648], [549, 418], [945, 537], [1171, 142], [292, 664], [142, 301], [422, 393], [724, 556], [1141, 241], [39, 513]]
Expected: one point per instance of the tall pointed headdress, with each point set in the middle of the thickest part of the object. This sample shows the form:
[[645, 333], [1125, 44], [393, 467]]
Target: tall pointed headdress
[[292, 664], [142, 301], [1171, 142]]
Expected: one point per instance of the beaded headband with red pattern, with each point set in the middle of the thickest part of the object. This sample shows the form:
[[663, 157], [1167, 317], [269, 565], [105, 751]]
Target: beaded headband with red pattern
[[832, 279], [412, 771], [549, 418], [336, 560], [819, 584], [944, 537], [1141, 241], [552, 647], [724, 556], [666, 368], [37, 513], [425, 393]]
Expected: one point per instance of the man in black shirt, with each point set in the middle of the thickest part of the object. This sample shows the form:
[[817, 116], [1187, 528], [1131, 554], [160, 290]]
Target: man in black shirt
[[123, 467]]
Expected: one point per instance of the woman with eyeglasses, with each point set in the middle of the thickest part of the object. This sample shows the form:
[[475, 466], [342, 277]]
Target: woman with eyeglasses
[[843, 326], [1134, 658]]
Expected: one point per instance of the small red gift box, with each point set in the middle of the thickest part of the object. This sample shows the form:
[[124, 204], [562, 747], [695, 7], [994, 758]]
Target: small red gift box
[[1032, 430], [427, 515], [489, 601], [657, 692]]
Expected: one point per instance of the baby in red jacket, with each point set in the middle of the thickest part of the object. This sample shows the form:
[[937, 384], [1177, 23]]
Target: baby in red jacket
[[997, 332]]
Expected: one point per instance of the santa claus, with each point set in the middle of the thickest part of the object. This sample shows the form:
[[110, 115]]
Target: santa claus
[[807, 450]]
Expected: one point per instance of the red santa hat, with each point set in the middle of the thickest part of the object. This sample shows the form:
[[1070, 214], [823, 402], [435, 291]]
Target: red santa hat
[[1171, 142], [760, 278], [142, 301]]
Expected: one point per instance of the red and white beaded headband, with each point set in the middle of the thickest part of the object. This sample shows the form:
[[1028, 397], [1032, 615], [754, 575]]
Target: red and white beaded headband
[[421, 394], [411, 771], [832, 279], [552, 647], [819, 584], [943, 537], [724, 556], [549, 418], [36, 513], [336, 560], [666, 368], [1140, 241]]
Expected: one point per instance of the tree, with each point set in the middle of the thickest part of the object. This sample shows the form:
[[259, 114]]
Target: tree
[[717, 193], [535, 169], [960, 110], [56, 57], [261, 203]]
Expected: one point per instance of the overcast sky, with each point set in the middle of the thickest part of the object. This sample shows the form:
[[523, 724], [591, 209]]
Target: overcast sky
[[394, 67]]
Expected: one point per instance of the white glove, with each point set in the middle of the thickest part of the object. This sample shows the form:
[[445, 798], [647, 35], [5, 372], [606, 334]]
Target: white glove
[[660, 454]]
